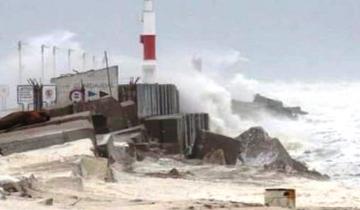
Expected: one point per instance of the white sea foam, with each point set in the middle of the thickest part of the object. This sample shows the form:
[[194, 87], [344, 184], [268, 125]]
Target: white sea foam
[[328, 139]]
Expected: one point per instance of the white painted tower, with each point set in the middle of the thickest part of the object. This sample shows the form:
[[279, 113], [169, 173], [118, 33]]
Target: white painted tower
[[148, 40]]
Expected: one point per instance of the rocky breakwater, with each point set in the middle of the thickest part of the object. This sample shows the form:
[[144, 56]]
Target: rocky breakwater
[[260, 150]]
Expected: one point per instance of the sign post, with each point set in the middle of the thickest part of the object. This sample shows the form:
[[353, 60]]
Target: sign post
[[25, 95], [49, 94], [4, 93]]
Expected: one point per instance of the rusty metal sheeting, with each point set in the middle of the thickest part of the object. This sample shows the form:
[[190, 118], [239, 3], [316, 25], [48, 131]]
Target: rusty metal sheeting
[[179, 129], [209, 142], [21, 119], [157, 99], [166, 130], [193, 124]]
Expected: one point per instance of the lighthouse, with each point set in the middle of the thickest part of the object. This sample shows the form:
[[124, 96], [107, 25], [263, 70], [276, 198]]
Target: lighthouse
[[148, 41]]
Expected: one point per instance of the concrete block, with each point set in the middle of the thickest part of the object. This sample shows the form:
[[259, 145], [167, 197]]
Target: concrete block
[[208, 143], [56, 131], [118, 116], [92, 167]]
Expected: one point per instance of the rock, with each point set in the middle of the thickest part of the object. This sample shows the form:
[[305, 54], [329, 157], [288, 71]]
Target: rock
[[259, 149], [216, 157], [2, 194], [261, 105], [47, 202], [277, 107], [92, 167], [121, 152], [66, 183], [208, 142], [21, 185], [174, 172]]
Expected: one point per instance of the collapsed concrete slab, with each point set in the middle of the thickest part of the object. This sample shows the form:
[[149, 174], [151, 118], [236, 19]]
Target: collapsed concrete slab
[[91, 167], [118, 115], [215, 157], [209, 142], [131, 135], [56, 131], [259, 149], [65, 183], [121, 146], [121, 153]]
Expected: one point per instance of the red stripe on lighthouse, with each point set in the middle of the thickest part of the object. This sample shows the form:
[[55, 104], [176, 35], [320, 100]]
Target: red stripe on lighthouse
[[149, 43]]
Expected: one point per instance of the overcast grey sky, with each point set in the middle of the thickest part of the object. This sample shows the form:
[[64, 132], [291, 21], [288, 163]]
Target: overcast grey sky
[[286, 39]]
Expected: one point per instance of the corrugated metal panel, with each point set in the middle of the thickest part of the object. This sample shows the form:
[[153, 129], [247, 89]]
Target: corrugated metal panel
[[193, 124], [157, 99]]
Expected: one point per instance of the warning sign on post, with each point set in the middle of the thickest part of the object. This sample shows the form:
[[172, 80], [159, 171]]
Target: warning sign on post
[[25, 94], [76, 95], [49, 94], [4, 91]]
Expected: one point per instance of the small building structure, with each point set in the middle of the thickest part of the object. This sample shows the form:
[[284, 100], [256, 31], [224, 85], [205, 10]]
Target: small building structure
[[87, 86]]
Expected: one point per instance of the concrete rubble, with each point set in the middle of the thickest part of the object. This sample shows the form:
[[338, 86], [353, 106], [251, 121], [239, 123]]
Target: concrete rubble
[[56, 131], [23, 186], [143, 128]]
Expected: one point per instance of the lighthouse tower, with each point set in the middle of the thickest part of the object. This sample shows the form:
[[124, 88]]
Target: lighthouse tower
[[148, 40]]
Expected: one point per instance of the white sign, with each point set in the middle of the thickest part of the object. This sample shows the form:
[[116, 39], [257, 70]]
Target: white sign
[[4, 91], [76, 96], [49, 94], [25, 94]]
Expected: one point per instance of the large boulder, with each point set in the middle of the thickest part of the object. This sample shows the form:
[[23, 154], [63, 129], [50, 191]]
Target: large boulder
[[215, 157], [207, 143], [259, 149], [21, 185]]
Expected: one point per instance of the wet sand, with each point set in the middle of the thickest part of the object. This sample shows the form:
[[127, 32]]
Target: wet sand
[[203, 186]]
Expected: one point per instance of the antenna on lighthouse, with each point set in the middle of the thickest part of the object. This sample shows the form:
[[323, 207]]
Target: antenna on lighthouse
[[148, 40]]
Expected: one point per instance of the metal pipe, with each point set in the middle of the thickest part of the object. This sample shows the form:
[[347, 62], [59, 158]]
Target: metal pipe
[[20, 62], [43, 47], [84, 61], [54, 51], [108, 71], [69, 59]]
